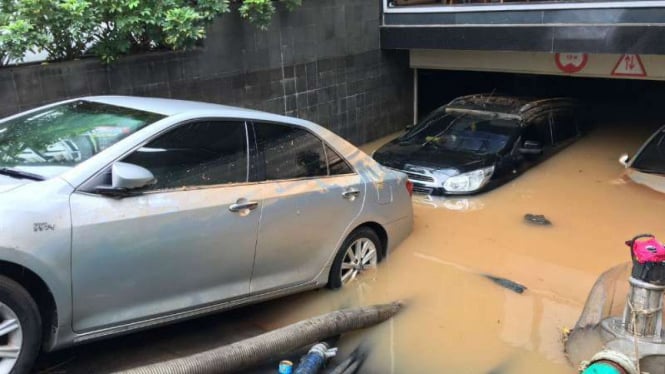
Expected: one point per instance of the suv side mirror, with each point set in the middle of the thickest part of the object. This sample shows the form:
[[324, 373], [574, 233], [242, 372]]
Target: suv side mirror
[[531, 147], [624, 160], [126, 177]]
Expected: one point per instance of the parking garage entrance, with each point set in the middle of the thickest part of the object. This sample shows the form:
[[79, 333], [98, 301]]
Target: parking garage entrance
[[627, 86]]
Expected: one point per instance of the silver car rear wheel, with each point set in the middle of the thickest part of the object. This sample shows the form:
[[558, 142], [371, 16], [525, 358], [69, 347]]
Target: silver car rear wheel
[[11, 338], [359, 256], [360, 251]]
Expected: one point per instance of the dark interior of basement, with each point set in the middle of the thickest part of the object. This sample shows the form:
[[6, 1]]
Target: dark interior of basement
[[607, 99]]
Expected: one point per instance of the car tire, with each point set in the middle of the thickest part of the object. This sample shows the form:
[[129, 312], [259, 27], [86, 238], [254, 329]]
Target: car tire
[[351, 253], [17, 304]]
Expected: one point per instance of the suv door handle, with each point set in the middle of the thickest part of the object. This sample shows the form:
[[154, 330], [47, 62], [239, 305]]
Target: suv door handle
[[350, 194], [242, 204]]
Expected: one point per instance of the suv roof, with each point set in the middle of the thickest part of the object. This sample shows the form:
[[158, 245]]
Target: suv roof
[[490, 103], [523, 109]]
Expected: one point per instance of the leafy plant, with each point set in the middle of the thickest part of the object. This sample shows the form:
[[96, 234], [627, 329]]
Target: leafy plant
[[62, 28], [14, 40], [135, 26], [68, 29], [260, 12]]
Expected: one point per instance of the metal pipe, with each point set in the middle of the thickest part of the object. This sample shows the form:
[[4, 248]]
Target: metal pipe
[[315, 359], [643, 314], [415, 96]]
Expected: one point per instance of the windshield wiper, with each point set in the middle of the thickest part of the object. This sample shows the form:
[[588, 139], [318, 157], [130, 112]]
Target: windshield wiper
[[15, 173]]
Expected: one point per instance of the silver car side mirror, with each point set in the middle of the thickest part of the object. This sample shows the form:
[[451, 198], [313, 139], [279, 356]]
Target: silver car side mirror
[[126, 177], [624, 159], [129, 176]]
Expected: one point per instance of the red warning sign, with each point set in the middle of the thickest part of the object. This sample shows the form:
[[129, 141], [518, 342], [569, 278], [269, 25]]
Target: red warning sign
[[629, 66], [571, 62]]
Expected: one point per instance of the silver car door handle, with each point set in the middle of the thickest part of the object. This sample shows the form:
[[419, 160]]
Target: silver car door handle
[[237, 207], [350, 194]]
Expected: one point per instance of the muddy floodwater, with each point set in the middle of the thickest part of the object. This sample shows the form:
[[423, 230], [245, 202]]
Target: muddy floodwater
[[458, 321]]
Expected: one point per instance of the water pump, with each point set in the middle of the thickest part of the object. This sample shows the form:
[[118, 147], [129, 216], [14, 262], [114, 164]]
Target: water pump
[[635, 342]]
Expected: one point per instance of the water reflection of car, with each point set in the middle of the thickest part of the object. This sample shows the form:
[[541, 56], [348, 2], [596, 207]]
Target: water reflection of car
[[478, 142], [173, 209], [647, 167]]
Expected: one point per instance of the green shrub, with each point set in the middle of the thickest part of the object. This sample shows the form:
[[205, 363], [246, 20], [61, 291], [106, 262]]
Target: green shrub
[[68, 29], [260, 12], [61, 28]]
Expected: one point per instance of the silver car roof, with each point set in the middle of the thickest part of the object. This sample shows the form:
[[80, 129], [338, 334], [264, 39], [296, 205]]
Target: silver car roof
[[163, 106], [193, 109]]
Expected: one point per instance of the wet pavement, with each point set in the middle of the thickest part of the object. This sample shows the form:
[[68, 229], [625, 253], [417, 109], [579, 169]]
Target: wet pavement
[[458, 320]]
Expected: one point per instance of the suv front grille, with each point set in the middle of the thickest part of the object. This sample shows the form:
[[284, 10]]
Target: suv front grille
[[422, 189], [419, 177]]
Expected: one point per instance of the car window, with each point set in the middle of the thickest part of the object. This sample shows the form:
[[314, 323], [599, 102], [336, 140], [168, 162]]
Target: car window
[[564, 126], [539, 130], [196, 154], [286, 152], [652, 157], [336, 163]]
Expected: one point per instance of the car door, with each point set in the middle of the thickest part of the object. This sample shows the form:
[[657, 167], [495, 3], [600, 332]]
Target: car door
[[311, 196], [538, 132], [564, 127], [185, 242]]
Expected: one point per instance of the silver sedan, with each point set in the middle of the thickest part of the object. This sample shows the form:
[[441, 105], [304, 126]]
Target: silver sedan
[[121, 213]]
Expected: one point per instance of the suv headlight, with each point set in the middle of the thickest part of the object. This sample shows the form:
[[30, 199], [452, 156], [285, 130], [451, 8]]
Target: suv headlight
[[470, 181]]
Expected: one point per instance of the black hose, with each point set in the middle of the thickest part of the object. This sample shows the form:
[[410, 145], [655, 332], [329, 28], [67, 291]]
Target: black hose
[[248, 352], [353, 362]]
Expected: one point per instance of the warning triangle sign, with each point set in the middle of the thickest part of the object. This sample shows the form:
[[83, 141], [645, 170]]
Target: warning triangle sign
[[629, 66]]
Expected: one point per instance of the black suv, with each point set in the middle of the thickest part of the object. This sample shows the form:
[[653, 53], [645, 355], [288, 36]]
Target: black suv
[[478, 142]]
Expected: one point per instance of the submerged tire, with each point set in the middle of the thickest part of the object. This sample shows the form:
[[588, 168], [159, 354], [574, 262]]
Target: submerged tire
[[361, 250], [20, 328]]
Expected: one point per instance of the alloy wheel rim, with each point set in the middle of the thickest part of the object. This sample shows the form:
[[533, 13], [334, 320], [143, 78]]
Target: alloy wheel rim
[[359, 256], [11, 338]]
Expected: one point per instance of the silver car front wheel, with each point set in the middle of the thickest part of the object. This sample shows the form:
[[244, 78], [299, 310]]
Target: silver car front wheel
[[360, 251], [20, 328], [11, 338]]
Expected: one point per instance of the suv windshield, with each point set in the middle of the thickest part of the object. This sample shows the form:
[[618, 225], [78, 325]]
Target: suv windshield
[[464, 132], [50, 141]]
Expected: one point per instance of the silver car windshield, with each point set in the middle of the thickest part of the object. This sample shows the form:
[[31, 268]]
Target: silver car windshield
[[50, 141]]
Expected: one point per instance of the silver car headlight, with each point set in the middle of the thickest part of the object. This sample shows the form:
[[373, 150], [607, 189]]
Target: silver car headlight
[[468, 182]]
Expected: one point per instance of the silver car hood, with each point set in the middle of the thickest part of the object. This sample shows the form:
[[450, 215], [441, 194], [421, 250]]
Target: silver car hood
[[9, 183]]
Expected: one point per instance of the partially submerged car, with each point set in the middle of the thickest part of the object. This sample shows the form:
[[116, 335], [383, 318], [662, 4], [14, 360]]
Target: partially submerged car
[[647, 167], [478, 142], [122, 213]]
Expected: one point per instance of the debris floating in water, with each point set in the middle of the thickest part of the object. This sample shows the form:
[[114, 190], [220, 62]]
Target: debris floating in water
[[506, 283], [537, 219]]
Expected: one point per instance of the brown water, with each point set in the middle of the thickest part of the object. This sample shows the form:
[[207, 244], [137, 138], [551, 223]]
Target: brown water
[[458, 321]]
